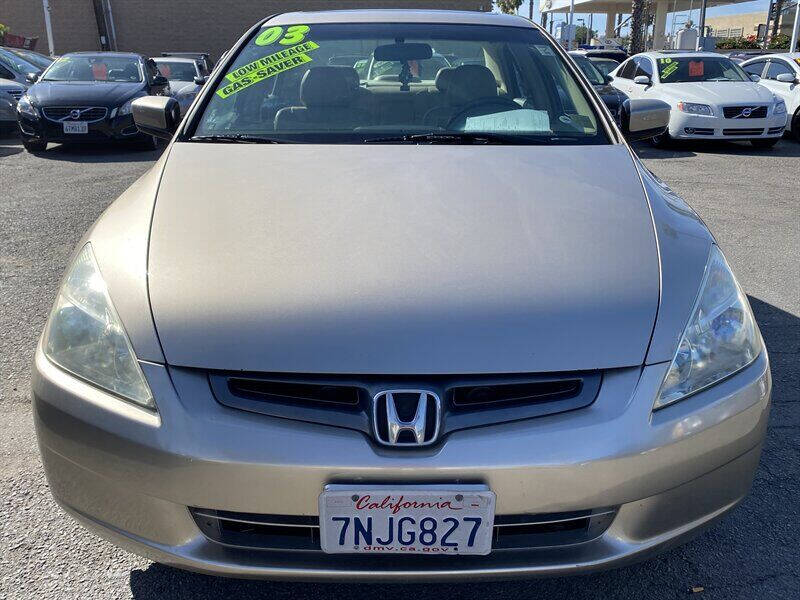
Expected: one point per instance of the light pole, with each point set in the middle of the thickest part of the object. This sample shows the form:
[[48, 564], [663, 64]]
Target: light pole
[[48, 26]]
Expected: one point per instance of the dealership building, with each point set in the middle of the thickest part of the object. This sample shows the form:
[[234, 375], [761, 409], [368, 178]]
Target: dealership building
[[155, 26]]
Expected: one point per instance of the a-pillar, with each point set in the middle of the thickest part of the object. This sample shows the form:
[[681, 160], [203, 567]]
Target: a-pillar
[[611, 20], [660, 24]]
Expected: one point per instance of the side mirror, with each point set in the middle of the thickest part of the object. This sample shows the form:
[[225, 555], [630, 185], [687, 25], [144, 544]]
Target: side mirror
[[644, 119], [786, 78], [160, 80], [754, 77], [31, 77], [641, 80], [608, 78], [200, 80], [156, 115]]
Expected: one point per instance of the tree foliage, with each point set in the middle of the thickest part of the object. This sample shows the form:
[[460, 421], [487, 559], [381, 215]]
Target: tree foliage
[[509, 6], [637, 26]]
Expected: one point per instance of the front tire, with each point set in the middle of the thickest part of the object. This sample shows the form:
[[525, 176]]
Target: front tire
[[34, 145], [764, 144], [796, 125]]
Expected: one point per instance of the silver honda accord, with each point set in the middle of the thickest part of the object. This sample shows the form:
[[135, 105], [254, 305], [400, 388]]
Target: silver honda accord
[[399, 302]]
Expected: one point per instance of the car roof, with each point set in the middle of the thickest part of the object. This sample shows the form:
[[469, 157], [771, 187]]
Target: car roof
[[101, 53], [786, 55], [178, 59], [462, 17], [678, 53]]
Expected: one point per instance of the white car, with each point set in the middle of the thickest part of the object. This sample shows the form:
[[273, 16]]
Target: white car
[[711, 97], [780, 73]]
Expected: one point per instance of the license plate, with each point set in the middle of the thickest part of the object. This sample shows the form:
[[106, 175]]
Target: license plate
[[446, 520], [76, 127]]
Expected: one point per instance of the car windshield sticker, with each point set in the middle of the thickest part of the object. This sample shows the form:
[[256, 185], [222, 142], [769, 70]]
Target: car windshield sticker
[[544, 50], [666, 67], [524, 120], [294, 35], [273, 64], [695, 68]]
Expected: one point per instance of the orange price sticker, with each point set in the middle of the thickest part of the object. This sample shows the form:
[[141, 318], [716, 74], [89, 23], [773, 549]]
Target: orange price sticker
[[695, 68]]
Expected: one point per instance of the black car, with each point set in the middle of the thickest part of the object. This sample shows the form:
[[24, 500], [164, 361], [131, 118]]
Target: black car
[[610, 95], [86, 97]]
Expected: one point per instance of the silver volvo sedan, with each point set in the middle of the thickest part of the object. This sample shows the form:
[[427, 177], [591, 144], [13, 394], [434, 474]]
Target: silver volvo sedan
[[430, 320]]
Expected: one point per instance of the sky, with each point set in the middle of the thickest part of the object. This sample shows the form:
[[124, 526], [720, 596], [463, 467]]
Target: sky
[[599, 20]]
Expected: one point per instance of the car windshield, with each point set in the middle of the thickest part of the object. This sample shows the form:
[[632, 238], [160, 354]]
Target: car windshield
[[112, 69], [592, 74], [604, 65], [16, 63], [699, 68], [497, 85], [176, 70], [41, 61]]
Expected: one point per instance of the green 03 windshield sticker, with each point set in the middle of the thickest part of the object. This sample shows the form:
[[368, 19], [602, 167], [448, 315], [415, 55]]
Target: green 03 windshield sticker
[[273, 64]]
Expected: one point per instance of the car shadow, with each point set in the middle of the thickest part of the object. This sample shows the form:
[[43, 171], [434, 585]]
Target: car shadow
[[100, 153], [786, 148], [763, 526]]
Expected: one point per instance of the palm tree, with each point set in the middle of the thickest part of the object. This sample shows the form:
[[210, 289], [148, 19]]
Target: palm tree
[[637, 39], [509, 6]]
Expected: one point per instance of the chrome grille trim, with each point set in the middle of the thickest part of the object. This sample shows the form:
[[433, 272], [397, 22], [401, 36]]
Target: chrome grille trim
[[60, 114]]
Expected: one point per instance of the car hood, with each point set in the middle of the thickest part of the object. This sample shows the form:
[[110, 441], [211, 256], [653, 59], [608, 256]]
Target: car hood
[[59, 93], [402, 258], [719, 92], [179, 88]]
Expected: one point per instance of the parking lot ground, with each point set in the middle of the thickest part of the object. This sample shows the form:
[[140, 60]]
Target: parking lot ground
[[748, 197]]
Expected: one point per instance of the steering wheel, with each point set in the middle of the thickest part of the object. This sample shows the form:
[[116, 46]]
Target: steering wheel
[[499, 101]]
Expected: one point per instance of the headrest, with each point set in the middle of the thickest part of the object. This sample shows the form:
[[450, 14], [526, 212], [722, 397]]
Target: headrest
[[327, 86], [466, 83]]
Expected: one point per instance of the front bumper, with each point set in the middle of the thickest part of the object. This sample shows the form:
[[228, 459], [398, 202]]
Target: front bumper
[[130, 476], [686, 126], [106, 130]]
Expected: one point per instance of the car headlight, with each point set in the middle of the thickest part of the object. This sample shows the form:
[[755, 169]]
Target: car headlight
[[125, 109], [85, 337], [720, 339], [695, 109], [26, 107], [780, 108]]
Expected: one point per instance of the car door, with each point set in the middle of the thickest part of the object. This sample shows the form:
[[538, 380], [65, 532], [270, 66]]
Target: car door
[[786, 91], [157, 84], [623, 80]]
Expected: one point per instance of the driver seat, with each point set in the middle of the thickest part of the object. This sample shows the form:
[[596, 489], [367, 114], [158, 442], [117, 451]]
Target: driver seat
[[458, 86]]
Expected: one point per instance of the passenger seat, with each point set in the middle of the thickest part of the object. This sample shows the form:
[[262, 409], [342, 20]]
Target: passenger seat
[[328, 98]]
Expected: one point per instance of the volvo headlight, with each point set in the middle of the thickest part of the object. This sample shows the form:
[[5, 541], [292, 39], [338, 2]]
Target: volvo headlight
[[720, 339], [85, 336], [780, 108], [696, 109], [26, 107], [125, 109]]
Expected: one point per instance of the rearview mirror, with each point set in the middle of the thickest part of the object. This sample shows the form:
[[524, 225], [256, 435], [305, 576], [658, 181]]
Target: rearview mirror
[[644, 119], [754, 77], [641, 80], [786, 78], [156, 115], [31, 77], [403, 52], [200, 80]]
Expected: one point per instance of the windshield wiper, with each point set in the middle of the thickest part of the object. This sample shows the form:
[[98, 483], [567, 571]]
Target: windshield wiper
[[237, 138], [460, 138]]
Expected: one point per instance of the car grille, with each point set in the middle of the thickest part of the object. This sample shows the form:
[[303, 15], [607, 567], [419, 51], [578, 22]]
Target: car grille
[[346, 401], [16, 94], [735, 112], [86, 113], [742, 131], [285, 532]]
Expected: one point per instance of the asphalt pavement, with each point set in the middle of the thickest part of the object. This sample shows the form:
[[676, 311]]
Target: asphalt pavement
[[748, 197]]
